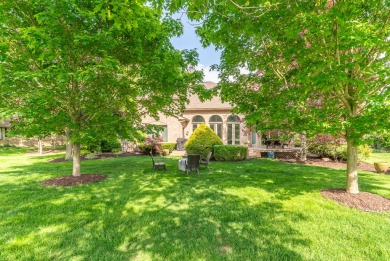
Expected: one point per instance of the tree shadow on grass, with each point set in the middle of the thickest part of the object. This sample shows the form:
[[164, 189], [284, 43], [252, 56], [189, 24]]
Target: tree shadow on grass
[[232, 212], [166, 224]]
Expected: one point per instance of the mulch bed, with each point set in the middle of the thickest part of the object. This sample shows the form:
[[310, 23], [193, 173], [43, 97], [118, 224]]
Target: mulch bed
[[67, 181], [363, 200]]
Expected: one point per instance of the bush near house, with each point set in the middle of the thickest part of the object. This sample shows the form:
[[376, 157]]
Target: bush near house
[[335, 148], [168, 145], [230, 152], [103, 146], [380, 142], [151, 144], [110, 145], [202, 141]]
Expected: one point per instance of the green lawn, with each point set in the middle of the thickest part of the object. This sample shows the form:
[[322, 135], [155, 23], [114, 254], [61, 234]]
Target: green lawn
[[379, 157], [258, 209]]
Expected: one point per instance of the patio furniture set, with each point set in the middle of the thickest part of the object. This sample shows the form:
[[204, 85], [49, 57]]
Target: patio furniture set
[[191, 162]]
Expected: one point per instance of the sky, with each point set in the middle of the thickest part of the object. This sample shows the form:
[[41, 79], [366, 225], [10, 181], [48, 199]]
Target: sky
[[207, 56]]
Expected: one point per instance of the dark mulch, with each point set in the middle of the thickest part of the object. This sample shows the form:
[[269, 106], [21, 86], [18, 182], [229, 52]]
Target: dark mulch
[[364, 201], [103, 155], [67, 181]]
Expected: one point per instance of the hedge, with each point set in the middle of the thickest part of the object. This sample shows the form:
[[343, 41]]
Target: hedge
[[168, 145], [230, 152], [202, 140]]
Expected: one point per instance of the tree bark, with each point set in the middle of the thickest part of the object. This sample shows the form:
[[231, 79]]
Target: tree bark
[[303, 156], [352, 173], [40, 146], [76, 159], [69, 148]]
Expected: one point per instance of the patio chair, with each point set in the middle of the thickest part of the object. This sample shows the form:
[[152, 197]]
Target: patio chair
[[206, 160], [192, 163], [158, 164]]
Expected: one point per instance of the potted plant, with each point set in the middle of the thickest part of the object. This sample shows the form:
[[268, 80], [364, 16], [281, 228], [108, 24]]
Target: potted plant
[[381, 167], [165, 152]]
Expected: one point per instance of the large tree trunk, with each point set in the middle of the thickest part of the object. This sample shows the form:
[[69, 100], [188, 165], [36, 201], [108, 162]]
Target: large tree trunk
[[352, 173], [303, 156], [76, 159], [69, 148]]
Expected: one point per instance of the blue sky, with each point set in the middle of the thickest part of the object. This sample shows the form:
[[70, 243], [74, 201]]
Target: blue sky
[[207, 56]]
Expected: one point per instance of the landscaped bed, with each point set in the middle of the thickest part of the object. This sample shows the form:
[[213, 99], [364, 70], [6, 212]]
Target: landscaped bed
[[259, 209]]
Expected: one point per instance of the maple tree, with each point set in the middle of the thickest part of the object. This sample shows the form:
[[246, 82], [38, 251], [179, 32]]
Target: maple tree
[[320, 66], [92, 68]]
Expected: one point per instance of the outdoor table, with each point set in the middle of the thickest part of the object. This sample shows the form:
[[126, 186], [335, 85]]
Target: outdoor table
[[182, 164]]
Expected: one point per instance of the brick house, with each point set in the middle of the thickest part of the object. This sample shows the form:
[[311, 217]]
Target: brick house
[[4, 125], [216, 114]]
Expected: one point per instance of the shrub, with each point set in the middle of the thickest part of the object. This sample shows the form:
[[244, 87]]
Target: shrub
[[60, 147], [151, 144], [168, 145], [364, 152], [85, 151], [327, 146], [8, 145], [104, 146], [90, 156], [380, 141], [202, 141], [110, 145], [92, 148], [230, 152]]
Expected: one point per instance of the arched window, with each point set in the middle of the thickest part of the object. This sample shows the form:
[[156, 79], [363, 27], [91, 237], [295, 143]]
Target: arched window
[[233, 132], [215, 122], [196, 120]]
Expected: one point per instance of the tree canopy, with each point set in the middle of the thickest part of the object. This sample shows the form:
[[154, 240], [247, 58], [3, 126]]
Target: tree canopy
[[318, 65], [91, 67]]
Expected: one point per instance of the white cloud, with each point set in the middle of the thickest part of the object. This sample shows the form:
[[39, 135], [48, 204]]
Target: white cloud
[[209, 76], [212, 76], [244, 70]]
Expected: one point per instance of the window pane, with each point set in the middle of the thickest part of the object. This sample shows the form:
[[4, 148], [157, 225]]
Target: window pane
[[212, 126], [198, 119], [237, 133], [253, 138], [194, 126], [219, 130], [233, 118], [215, 118], [230, 133], [164, 134]]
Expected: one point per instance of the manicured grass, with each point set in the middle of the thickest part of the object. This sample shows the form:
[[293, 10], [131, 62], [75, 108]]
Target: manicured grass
[[253, 210], [379, 157]]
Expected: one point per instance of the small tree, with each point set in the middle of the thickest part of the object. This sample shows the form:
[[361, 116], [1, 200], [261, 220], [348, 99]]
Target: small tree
[[202, 140]]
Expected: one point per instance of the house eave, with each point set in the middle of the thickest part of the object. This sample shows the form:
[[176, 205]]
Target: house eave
[[208, 109]]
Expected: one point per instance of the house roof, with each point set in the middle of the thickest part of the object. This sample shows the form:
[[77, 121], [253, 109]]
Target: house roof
[[212, 104], [209, 85]]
